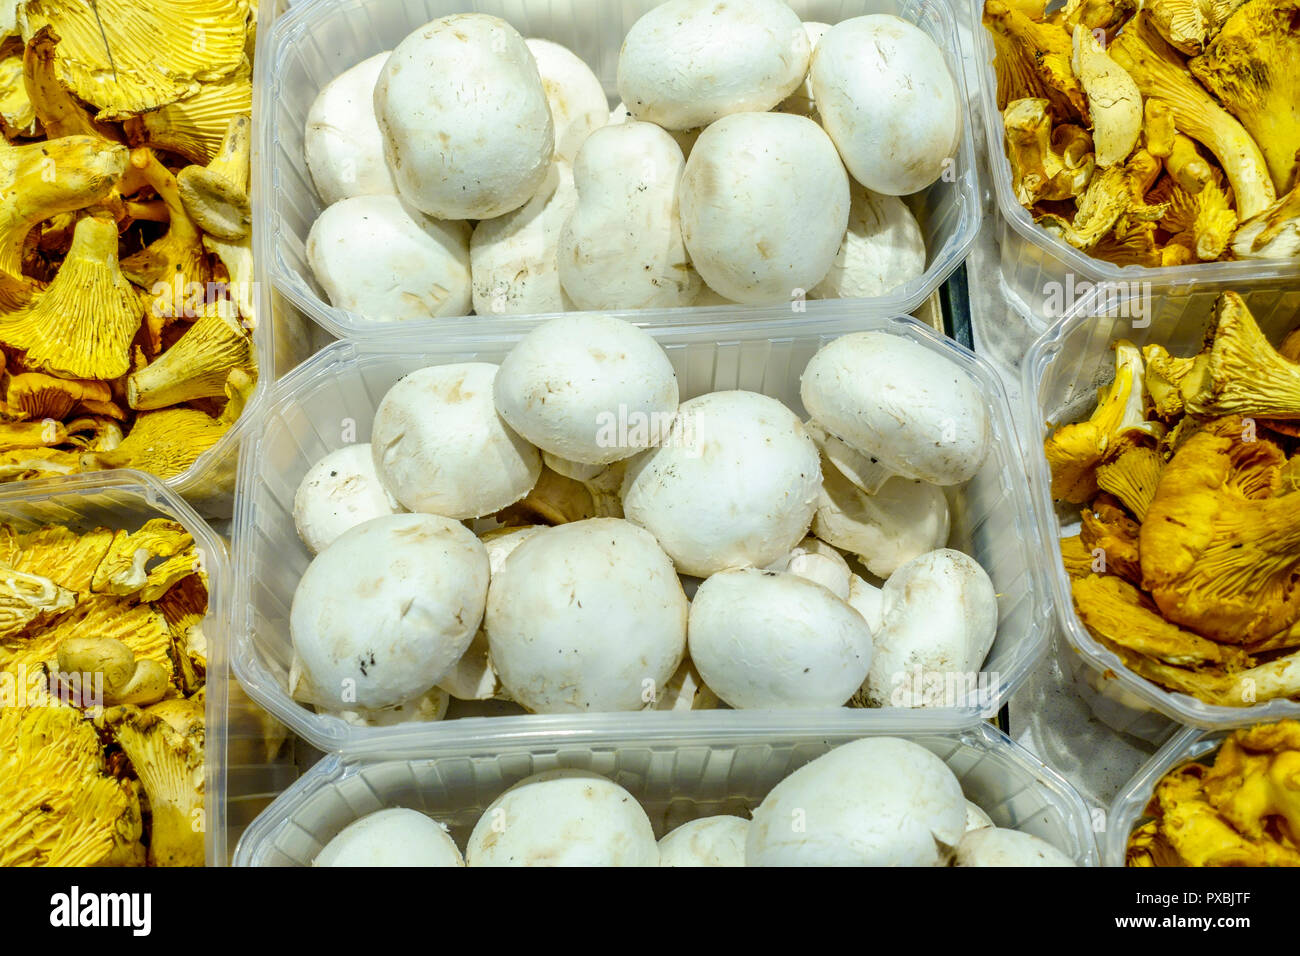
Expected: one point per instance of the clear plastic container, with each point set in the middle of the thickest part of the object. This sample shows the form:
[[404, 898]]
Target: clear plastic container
[[677, 776], [318, 40], [331, 400], [241, 776], [1128, 812], [1045, 277], [1062, 373]]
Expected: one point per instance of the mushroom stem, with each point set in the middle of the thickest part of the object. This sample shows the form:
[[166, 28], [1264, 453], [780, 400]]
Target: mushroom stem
[[216, 196]]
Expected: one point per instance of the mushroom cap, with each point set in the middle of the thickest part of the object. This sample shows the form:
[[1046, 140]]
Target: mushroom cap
[[575, 95], [886, 97], [764, 206], [941, 615], [396, 837], [883, 249], [382, 614], [916, 412], [879, 801], [514, 259], [993, 846], [622, 247], [339, 492], [588, 388], [563, 818], [708, 841], [587, 616], [777, 640], [687, 63], [440, 447], [734, 485], [801, 102], [375, 256], [457, 154], [342, 144]]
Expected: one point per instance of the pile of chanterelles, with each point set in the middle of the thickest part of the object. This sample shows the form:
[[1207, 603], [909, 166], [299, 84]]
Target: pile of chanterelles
[[1187, 563], [126, 287], [1157, 133]]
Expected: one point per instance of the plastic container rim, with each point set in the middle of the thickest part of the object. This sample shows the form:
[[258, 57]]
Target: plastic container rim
[[981, 735]]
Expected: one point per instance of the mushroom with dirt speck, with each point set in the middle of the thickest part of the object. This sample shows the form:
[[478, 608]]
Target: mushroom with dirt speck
[[339, 492], [386, 611]]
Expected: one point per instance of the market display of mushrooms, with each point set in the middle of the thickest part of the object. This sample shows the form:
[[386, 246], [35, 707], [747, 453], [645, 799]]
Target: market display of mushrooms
[[877, 801], [715, 180], [1188, 546], [615, 548], [103, 669], [125, 285], [1238, 805], [1154, 134]]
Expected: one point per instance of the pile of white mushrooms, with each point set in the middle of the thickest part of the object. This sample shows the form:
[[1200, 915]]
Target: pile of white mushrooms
[[879, 801], [753, 159], [530, 532]]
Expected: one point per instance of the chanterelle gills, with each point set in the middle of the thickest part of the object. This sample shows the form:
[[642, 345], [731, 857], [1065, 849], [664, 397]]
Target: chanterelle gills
[[1243, 809], [113, 258], [89, 620]]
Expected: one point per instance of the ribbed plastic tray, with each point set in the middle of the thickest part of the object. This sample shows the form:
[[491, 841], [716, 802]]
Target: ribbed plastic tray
[[676, 777]]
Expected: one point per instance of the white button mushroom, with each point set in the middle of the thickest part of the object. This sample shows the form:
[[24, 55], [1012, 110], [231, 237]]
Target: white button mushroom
[[684, 138], [880, 801], [588, 389], [383, 613], [708, 841], [343, 146], [514, 259], [396, 837], [917, 413], [801, 102], [998, 847], [563, 818], [688, 63], [440, 447], [941, 618], [339, 492], [467, 130], [374, 256], [578, 103], [474, 677], [882, 250], [622, 246], [587, 616], [976, 818], [819, 562], [764, 206], [887, 99], [734, 485], [774, 640], [902, 521]]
